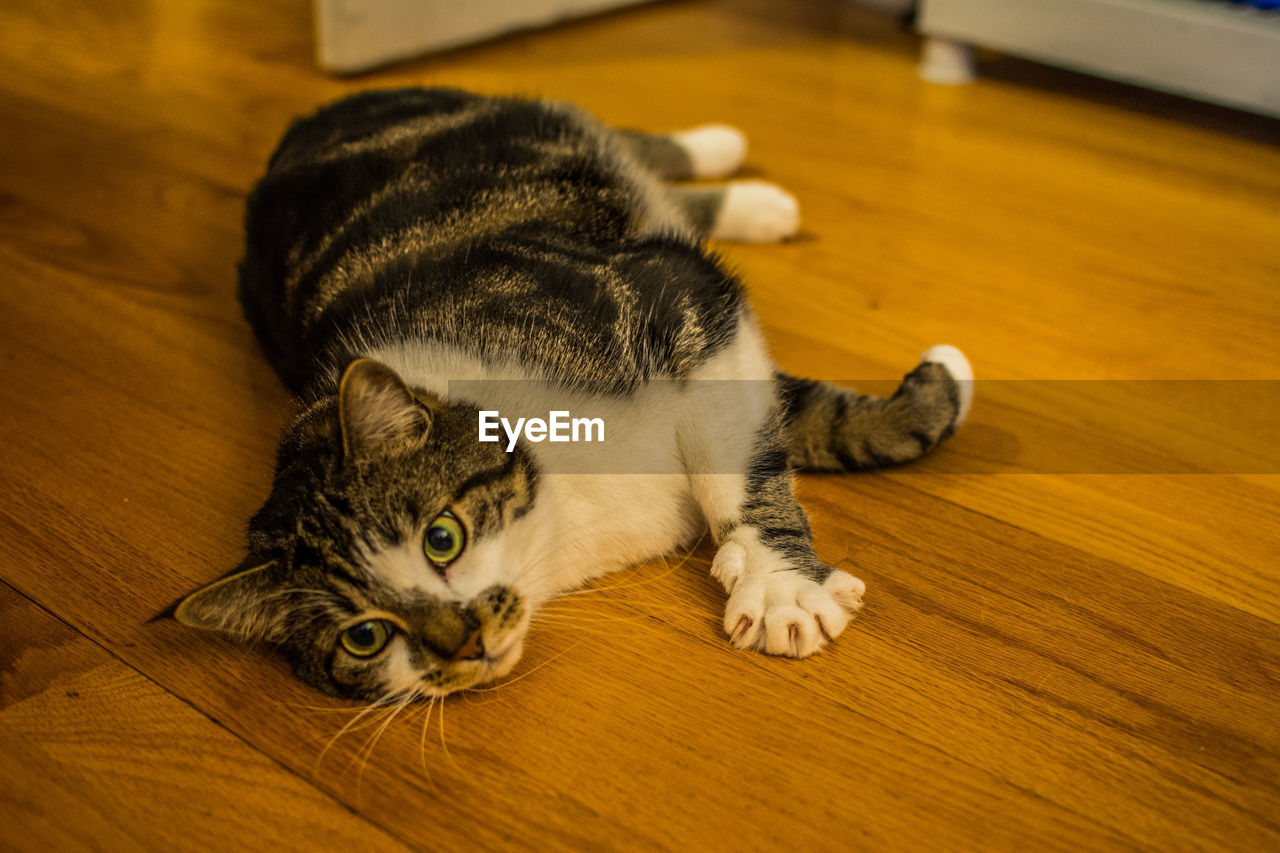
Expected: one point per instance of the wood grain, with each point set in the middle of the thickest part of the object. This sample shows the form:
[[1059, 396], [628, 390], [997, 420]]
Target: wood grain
[[102, 758], [1073, 625]]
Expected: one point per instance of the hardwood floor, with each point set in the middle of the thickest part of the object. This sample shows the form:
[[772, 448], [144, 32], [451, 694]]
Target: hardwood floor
[[1072, 631]]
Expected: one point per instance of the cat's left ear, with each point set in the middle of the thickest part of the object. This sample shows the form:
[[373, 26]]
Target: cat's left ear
[[377, 410], [244, 603]]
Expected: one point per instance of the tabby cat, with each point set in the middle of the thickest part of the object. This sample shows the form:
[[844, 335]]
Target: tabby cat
[[421, 262]]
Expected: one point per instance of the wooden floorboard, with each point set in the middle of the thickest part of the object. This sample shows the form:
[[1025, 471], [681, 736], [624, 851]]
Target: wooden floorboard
[[95, 756], [1072, 631]]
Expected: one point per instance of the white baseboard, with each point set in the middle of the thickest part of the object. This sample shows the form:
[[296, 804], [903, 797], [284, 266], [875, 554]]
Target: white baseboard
[[356, 35]]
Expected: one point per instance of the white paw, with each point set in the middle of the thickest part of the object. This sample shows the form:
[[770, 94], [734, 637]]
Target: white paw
[[959, 368], [780, 611], [757, 212], [715, 150]]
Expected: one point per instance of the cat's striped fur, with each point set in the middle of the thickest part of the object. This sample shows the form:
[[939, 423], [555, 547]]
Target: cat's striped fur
[[402, 242]]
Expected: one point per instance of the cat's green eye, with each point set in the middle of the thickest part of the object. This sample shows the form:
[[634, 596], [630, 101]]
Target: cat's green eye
[[367, 638], [444, 540]]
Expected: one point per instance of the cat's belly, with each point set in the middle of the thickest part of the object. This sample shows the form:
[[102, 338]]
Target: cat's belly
[[606, 523]]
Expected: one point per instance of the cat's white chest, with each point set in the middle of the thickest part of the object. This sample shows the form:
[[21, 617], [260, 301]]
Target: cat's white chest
[[625, 490]]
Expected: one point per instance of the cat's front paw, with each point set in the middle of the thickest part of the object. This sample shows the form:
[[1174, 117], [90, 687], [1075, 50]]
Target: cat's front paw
[[776, 609]]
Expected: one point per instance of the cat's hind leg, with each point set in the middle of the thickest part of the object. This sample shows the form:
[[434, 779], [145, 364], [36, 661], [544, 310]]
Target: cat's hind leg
[[706, 151], [831, 428], [745, 211], [750, 211]]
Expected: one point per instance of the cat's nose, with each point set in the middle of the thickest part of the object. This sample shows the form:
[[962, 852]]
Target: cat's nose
[[450, 631], [472, 647]]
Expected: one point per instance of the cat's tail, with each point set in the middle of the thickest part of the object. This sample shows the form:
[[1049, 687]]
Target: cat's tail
[[836, 429]]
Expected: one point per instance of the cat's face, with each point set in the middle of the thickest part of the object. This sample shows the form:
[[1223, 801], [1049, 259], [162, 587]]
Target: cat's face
[[386, 561]]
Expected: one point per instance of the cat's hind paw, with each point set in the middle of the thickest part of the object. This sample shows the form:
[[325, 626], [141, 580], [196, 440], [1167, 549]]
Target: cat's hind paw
[[756, 212], [786, 613], [715, 150]]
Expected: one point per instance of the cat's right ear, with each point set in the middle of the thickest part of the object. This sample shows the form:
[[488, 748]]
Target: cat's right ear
[[244, 603], [377, 410]]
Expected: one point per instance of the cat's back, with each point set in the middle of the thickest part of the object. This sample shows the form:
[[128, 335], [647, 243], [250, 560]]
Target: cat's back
[[414, 201], [391, 152]]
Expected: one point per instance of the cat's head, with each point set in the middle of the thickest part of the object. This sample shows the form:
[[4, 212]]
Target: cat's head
[[382, 562]]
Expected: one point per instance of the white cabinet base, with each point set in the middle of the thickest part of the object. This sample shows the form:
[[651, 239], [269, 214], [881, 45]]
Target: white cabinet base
[[1213, 51]]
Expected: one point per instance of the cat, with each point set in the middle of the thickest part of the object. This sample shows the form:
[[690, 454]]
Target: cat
[[422, 262]]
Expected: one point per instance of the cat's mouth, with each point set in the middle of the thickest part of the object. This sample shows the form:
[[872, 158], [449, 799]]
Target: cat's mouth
[[480, 672], [500, 662], [497, 663]]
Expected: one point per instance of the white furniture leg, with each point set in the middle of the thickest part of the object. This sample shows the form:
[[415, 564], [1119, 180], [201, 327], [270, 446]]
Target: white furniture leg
[[947, 62]]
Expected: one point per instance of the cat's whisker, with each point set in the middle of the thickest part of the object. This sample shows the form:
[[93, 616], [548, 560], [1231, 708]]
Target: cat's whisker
[[445, 746], [369, 746], [608, 603], [535, 560], [362, 725], [633, 612], [351, 727], [600, 590], [342, 709], [583, 546], [599, 625], [524, 675], [470, 700], [586, 620], [594, 629], [586, 611], [422, 743], [670, 569], [363, 713]]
